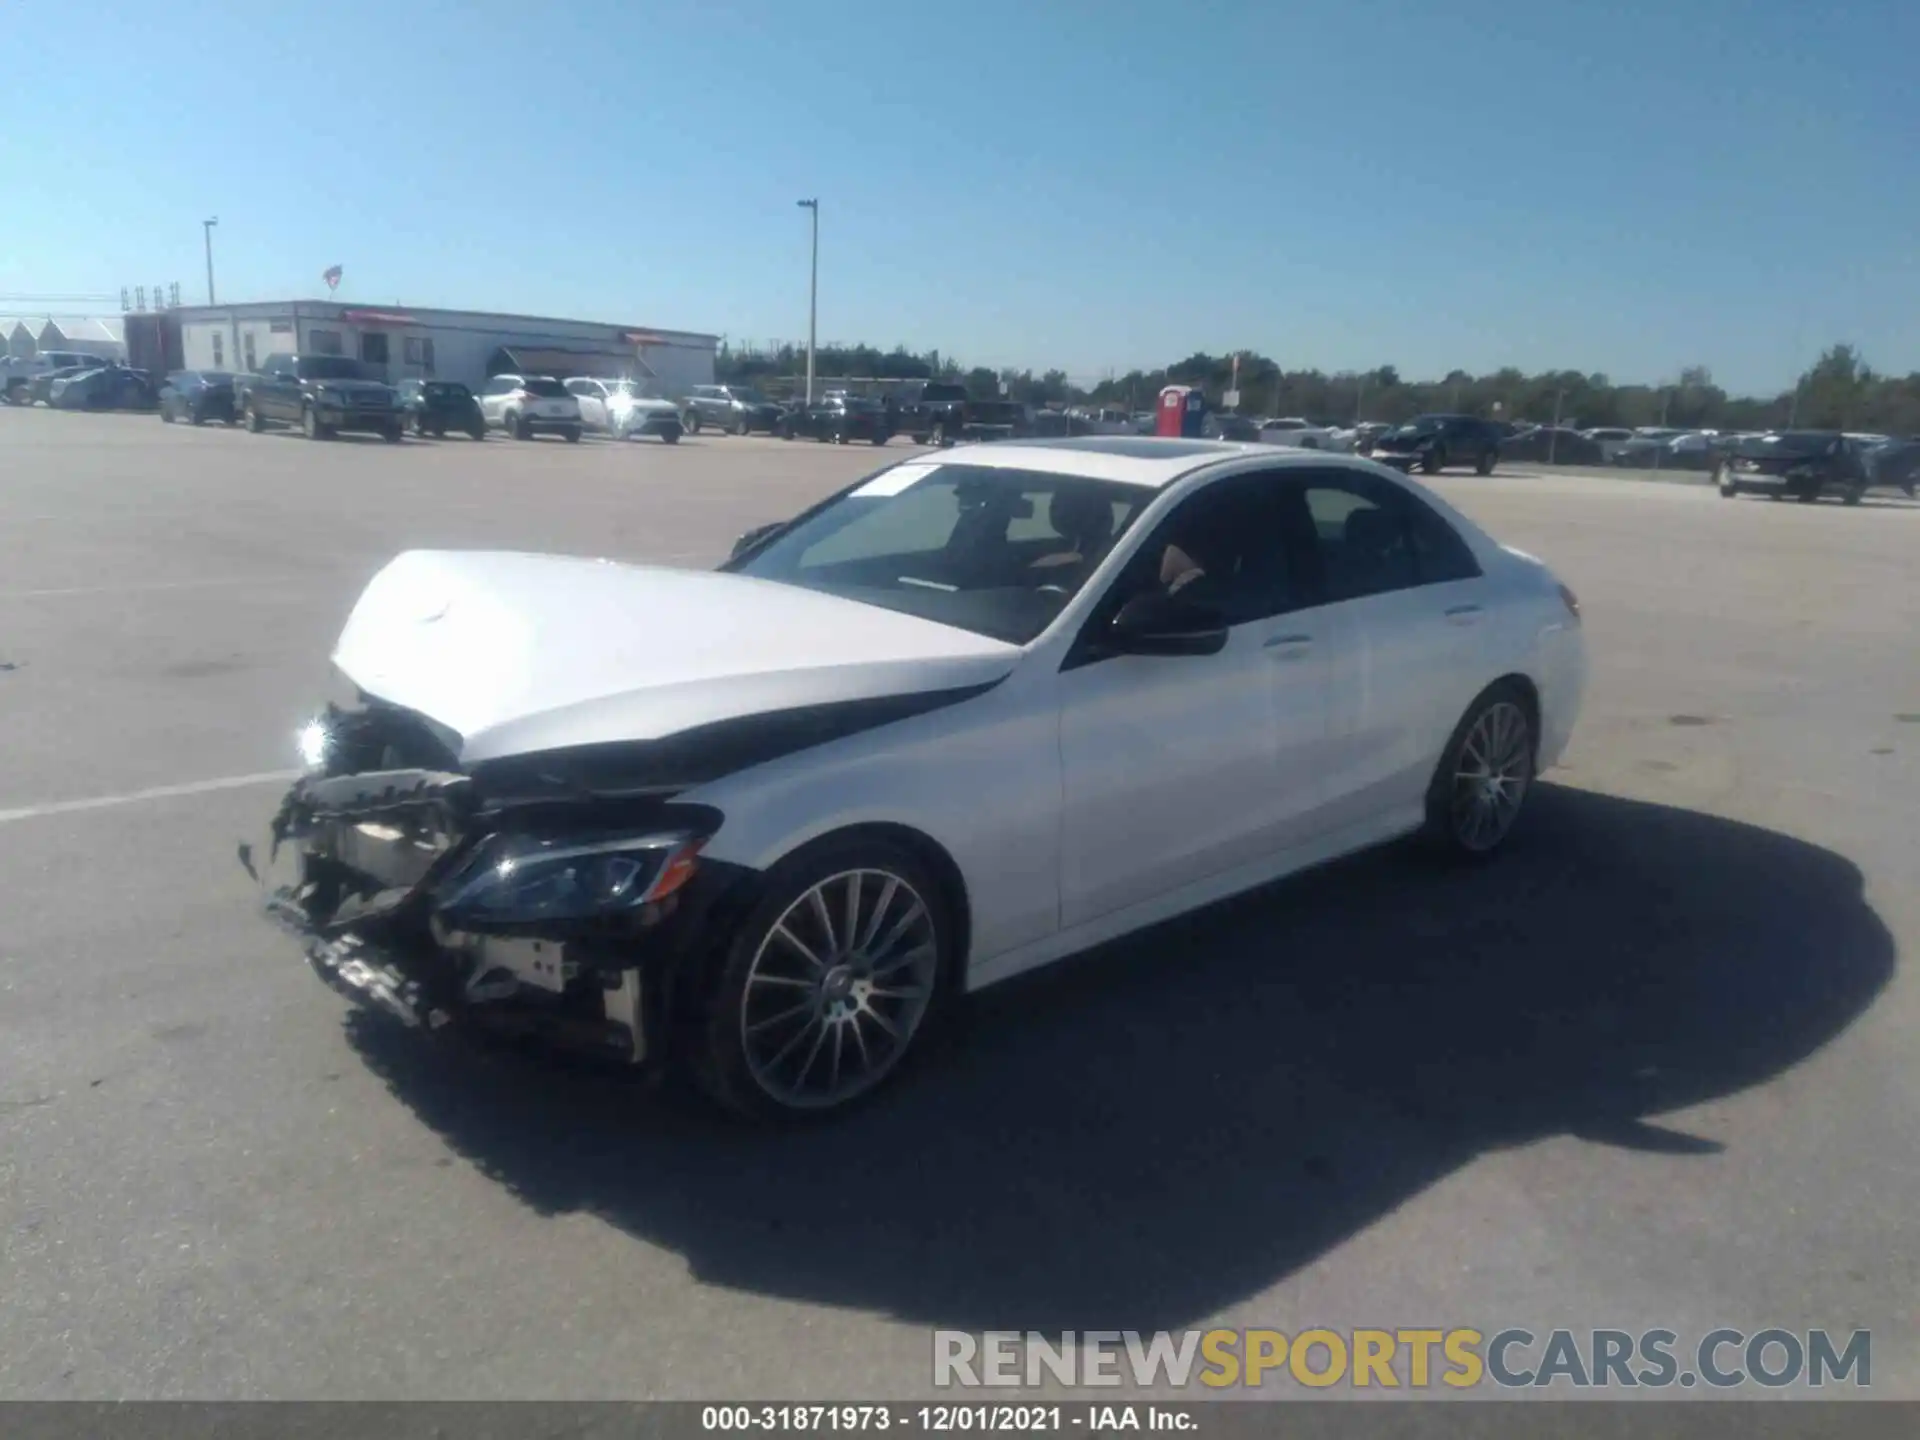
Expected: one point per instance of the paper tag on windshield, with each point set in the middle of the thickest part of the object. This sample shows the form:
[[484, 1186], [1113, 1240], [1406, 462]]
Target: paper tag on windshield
[[892, 482]]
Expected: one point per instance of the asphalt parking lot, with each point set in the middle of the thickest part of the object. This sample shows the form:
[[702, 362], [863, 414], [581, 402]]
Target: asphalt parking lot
[[1658, 1066]]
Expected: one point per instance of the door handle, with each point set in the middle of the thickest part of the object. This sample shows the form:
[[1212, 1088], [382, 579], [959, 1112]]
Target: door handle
[[1465, 614]]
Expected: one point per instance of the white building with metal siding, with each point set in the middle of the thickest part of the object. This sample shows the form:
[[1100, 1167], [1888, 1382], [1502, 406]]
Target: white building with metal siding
[[463, 345]]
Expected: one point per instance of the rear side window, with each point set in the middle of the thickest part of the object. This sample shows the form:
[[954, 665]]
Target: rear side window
[[548, 389], [1372, 537]]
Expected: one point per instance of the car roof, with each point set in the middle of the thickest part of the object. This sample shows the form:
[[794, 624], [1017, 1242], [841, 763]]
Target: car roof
[[1142, 460]]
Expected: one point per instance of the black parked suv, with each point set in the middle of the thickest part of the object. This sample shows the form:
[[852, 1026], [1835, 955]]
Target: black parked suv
[[1434, 442], [433, 407], [1805, 464], [197, 396], [324, 395], [839, 418], [736, 409]]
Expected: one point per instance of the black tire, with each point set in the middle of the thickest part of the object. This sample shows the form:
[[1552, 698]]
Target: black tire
[[919, 439], [310, 425], [1807, 497], [166, 414], [439, 432], [416, 425], [1434, 461], [693, 422], [572, 434], [1484, 465], [670, 437], [254, 423], [519, 428], [1855, 494], [478, 432], [394, 433], [880, 437], [717, 1036], [1455, 808]]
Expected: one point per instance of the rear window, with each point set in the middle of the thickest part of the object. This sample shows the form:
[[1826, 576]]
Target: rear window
[[548, 389], [446, 390]]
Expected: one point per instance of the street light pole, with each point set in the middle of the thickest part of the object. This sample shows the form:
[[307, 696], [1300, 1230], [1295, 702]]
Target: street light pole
[[813, 291], [207, 227]]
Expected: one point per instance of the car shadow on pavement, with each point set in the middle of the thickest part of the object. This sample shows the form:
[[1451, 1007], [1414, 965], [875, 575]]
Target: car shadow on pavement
[[1152, 1132]]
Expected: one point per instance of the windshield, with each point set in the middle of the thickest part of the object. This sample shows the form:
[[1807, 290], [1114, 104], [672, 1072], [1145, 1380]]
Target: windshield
[[332, 367], [995, 551]]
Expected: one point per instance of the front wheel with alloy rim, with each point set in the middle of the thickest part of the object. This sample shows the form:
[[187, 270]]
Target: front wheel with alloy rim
[[310, 424], [740, 425], [1723, 480], [254, 424], [1484, 775], [693, 422], [1484, 466], [826, 983]]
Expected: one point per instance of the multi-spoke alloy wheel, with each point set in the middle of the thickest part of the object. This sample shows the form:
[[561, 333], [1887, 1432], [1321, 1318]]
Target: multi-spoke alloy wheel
[[826, 984], [837, 989], [1484, 775], [1490, 779]]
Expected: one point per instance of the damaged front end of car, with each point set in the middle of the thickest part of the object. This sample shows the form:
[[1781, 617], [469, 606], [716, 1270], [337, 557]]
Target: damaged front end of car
[[552, 896]]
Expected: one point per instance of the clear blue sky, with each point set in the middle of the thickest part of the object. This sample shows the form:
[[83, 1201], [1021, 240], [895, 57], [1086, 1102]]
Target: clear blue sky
[[1629, 188]]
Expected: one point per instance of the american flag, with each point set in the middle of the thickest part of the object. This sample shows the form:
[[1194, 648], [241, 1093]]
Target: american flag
[[332, 276]]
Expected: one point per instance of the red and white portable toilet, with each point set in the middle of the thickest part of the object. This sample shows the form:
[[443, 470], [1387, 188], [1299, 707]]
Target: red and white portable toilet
[[1183, 411]]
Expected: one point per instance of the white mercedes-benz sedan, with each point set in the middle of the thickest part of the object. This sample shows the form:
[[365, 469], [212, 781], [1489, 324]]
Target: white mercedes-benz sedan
[[975, 712]]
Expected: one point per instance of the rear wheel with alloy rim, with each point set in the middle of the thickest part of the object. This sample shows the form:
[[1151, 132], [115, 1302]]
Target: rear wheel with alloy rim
[[253, 419], [1484, 775], [826, 983]]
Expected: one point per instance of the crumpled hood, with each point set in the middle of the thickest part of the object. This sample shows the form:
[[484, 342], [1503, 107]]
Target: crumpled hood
[[522, 653]]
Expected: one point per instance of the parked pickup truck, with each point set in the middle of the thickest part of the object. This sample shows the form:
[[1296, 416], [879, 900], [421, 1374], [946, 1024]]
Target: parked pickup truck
[[936, 412], [322, 394]]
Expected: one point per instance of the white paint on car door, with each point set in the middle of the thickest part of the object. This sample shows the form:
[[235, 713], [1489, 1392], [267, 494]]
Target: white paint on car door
[[1411, 611], [1178, 769]]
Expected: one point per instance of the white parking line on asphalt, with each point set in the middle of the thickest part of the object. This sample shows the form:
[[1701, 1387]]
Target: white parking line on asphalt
[[158, 792], [138, 587]]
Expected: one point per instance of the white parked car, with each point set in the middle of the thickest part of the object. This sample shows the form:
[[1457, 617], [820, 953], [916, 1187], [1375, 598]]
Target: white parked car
[[1307, 436], [966, 716], [528, 405], [621, 408]]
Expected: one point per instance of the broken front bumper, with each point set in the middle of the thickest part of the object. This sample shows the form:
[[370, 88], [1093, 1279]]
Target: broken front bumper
[[369, 871]]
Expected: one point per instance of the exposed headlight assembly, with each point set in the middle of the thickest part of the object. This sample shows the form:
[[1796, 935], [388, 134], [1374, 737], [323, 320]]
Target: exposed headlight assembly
[[519, 879]]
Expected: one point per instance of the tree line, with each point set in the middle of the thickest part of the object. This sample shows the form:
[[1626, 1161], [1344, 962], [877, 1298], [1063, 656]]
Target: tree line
[[1840, 391]]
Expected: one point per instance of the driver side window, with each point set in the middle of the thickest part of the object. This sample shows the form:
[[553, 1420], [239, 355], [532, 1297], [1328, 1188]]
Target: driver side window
[[1224, 547]]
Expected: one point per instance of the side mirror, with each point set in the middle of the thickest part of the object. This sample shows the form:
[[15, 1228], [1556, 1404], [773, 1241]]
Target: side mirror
[[1157, 623], [753, 537]]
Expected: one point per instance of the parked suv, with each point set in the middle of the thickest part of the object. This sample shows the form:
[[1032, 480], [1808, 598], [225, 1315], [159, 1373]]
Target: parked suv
[[1433, 442], [18, 375], [325, 395], [528, 405], [736, 409], [622, 409]]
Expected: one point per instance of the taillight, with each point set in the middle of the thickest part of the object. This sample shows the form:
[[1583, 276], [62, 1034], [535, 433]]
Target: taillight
[[1571, 601]]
